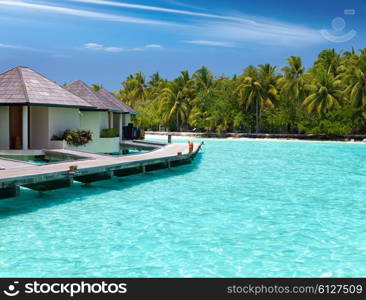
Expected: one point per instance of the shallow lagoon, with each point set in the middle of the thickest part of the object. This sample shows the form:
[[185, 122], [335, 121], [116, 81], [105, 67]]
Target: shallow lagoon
[[243, 208]]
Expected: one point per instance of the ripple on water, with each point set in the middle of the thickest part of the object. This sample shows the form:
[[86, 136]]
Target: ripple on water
[[243, 208]]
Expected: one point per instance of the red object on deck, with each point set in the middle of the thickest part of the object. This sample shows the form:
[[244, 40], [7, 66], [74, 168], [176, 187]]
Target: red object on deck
[[190, 146]]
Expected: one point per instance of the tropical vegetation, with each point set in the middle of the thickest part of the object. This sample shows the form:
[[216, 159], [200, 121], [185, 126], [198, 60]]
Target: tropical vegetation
[[77, 137], [327, 98], [109, 133]]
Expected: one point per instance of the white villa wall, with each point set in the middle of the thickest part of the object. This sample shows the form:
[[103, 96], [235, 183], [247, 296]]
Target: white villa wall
[[96, 121], [61, 118], [4, 127], [39, 127], [90, 120], [100, 145], [104, 120], [48, 121]]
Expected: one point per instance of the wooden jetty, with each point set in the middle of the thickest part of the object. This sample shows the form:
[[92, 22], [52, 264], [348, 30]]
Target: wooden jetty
[[141, 145], [6, 164], [91, 167]]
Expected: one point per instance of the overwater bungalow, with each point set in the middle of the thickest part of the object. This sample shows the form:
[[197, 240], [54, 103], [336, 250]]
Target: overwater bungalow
[[37, 117], [34, 110], [107, 112]]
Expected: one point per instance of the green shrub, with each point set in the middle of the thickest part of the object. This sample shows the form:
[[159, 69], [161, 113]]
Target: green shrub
[[77, 137], [109, 133]]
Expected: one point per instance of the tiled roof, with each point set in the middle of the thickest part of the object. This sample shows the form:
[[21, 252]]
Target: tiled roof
[[82, 90], [102, 99], [104, 94], [22, 85]]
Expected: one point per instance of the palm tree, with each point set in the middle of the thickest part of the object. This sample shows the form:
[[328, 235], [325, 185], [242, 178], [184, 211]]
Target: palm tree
[[203, 86], [325, 92], [259, 97], [172, 104], [250, 71], [292, 83], [155, 80], [356, 78], [349, 59], [222, 114], [133, 89], [139, 85], [188, 93], [154, 87], [204, 78], [292, 86], [258, 90], [96, 87], [363, 51], [329, 59], [268, 78]]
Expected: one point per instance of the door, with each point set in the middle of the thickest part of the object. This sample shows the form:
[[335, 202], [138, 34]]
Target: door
[[15, 127]]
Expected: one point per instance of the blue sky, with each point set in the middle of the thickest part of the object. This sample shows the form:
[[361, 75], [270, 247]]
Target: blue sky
[[103, 41]]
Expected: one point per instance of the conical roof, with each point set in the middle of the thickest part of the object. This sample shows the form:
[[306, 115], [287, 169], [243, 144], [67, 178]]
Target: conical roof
[[102, 99], [22, 85], [107, 96], [82, 90]]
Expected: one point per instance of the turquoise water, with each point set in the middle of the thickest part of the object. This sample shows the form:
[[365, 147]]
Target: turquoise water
[[243, 208]]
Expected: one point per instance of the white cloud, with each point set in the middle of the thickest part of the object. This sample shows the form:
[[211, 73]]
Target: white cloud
[[209, 43], [16, 47], [231, 28], [157, 8], [154, 46], [228, 29], [267, 33], [94, 46], [84, 13], [182, 4], [100, 47]]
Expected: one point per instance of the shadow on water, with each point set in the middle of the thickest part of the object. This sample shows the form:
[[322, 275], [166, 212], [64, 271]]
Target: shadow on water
[[30, 201]]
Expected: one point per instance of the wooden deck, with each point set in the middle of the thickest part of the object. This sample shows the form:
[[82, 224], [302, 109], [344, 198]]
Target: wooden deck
[[6, 164], [92, 167]]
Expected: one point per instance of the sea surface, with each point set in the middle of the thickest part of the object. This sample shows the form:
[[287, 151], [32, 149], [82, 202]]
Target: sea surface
[[243, 208]]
